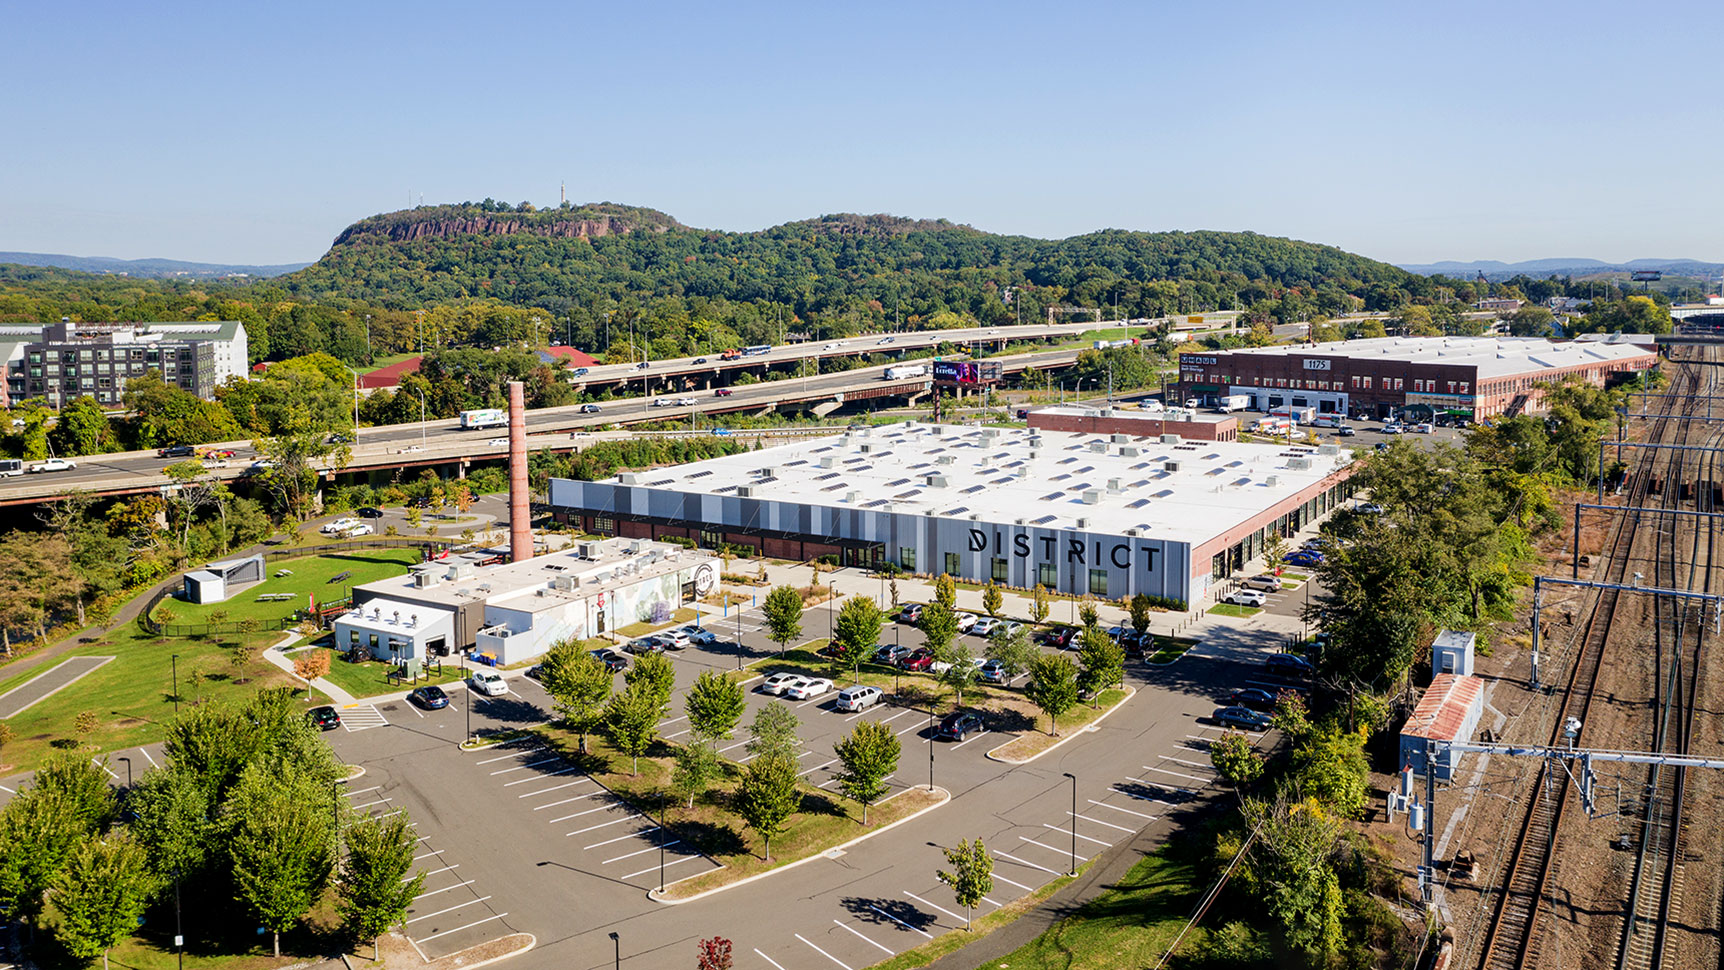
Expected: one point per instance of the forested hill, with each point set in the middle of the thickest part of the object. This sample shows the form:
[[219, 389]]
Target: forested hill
[[573, 256]]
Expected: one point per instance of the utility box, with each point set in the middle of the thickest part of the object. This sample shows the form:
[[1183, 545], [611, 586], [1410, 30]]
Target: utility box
[[1452, 653], [1449, 711]]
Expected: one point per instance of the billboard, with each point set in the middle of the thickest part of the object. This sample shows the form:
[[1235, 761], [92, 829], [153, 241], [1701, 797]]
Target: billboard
[[966, 371]]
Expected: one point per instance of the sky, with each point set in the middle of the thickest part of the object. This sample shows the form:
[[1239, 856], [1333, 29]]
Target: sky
[[254, 133]]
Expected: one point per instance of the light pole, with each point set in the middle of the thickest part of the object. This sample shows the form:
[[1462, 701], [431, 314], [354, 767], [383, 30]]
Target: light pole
[[931, 739], [176, 685], [421, 416], [1073, 821], [619, 948], [355, 374], [469, 705], [663, 834]]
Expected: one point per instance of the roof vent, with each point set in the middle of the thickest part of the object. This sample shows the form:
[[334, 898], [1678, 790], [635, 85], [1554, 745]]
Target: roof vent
[[1091, 496], [1099, 447], [1299, 464], [1171, 439], [628, 478], [1120, 439], [1128, 452], [1270, 481], [1171, 466], [745, 491]]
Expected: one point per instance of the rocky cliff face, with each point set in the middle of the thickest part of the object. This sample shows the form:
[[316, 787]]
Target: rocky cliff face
[[482, 224]]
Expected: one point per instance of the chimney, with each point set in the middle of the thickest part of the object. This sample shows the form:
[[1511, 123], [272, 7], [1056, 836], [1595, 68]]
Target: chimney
[[520, 524]]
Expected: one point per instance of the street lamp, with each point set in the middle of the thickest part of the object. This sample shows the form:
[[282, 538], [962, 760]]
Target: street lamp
[[663, 834], [421, 416], [619, 948], [930, 747], [176, 685], [1073, 821]]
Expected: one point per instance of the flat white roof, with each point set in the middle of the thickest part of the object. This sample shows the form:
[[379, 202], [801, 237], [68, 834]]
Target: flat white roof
[[1188, 492], [590, 568], [1132, 412], [1493, 356]]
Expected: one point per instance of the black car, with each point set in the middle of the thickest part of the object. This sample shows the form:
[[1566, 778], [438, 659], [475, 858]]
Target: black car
[[1133, 642], [536, 673], [958, 724], [431, 697], [700, 360], [1288, 665], [325, 718], [1255, 698], [176, 451], [420, 503], [612, 660], [341, 438], [369, 513]]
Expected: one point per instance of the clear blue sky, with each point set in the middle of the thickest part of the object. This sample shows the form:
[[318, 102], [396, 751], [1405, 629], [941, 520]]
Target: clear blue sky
[[243, 132]]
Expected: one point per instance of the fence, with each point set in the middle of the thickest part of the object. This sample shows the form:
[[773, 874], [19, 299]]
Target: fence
[[147, 620]]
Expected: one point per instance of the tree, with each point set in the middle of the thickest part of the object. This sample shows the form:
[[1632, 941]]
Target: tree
[[961, 670], [856, 632], [1235, 759], [1331, 767], [946, 591], [1088, 614], [632, 721], [783, 612], [374, 888], [1102, 660], [291, 473], [1297, 883], [972, 875], [714, 954], [1039, 607], [892, 587], [653, 673], [870, 756], [1274, 548], [767, 797], [1012, 650], [1531, 321], [37, 837], [992, 599], [939, 628], [714, 705], [82, 429], [772, 734], [81, 784], [579, 684], [100, 895], [171, 820], [1053, 687], [697, 764], [1141, 604], [280, 845]]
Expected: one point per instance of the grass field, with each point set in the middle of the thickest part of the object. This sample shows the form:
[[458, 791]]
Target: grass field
[[310, 576], [371, 679], [1130, 925], [384, 360], [1232, 609]]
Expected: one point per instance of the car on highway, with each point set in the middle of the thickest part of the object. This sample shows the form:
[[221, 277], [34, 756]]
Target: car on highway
[[1241, 717], [497, 443], [911, 613], [216, 453], [324, 718], [645, 645], [488, 682], [369, 513], [830, 347], [1255, 698], [776, 684], [1288, 665], [662, 402], [339, 525], [11, 467], [966, 621], [700, 360], [580, 372], [176, 451], [721, 432], [685, 402], [917, 661], [808, 689], [958, 725], [259, 467], [1248, 597], [430, 697], [612, 660], [858, 698], [723, 392], [1304, 557], [590, 409], [1264, 582], [887, 340], [52, 465]]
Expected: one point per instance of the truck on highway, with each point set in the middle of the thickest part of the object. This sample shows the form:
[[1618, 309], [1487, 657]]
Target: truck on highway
[[1228, 403], [484, 418], [11, 466], [731, 354], [905, 372], [1111, 344]]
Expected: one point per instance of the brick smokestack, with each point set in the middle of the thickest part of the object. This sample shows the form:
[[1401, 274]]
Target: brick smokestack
[[520, 522]]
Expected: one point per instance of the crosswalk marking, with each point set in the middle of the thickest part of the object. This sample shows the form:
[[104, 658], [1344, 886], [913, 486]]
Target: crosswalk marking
[[362, 717]]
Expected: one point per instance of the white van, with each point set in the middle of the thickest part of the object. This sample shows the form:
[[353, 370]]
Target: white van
[[11, 467]]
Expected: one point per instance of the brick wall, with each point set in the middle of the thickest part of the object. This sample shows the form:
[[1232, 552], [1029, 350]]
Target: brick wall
[[1137, 425]]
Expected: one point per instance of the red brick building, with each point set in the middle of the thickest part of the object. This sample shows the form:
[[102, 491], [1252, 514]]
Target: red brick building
[[1136, 422]]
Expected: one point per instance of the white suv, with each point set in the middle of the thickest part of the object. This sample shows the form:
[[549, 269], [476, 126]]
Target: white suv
[[339, 525], [1248, 597], [858, 698], [488, 682]]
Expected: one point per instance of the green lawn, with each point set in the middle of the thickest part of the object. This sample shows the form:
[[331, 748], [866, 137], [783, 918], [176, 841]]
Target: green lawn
[[384, 360], [1231, 609], [1129, 925], [1076, 719], [1169, 649], [310, 577], [370, 679]]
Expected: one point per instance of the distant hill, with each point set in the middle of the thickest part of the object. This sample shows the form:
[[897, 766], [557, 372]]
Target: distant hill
[[146, 268], [1498, 270]]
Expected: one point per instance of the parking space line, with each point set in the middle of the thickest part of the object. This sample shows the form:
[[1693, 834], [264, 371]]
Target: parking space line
[[363, 791], [673, 720], [621, 838], [732, 747], [601, 808], [889, 951], [937, 906], [1194, 764], [465, 882], [817, 767], [450, 909], [678, 734], [900, 922], [460, 928], [823, 953], [889, 720], [976, 738], [547, 791], [523, 781], [435, 872], [603, 824], [644, 851], [1142, 798], [1177, 774], [1023, 862], [105, 768], [1008, 882], [512, 754], [1119, 809], [1108, 824], [9, 791], [380, 801], [146, 753], [427, 855], [899, 734], [1080, 835], [680, 858], [767, 958], [535, 764], [1043, 844]]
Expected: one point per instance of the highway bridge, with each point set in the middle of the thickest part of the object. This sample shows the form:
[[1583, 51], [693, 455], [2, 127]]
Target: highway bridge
[[443, 445]]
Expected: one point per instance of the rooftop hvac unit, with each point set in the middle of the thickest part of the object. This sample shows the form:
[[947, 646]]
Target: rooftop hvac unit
[[1024, 472], [1083, 522], [937, 481], [975, 516], [945, 459], [1171, 439], [1133, 531], [1299, 464], [425, 578], [852, 497], [1113, 484], [1128, 452], [563, 582], [986, 460], [1171, 466], [1270, 481], [766, 472], [1035, 441], [745, 491], [628, 478], [866, 448], [1099, 447], [1091, 496], [1120, 439], [1328, 449], [541, 591], [828, 463]]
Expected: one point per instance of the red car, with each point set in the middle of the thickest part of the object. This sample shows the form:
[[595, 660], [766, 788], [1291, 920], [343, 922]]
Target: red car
[[920, 660], [722, 392]]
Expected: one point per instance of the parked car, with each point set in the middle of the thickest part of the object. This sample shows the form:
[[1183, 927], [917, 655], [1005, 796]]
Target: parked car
[[1248, 597], [356, 530], [858, 698], [1060, 636], [431, 697], [645, 645], [325, 718], [966, 621], [911, 613], [52, 465], [1424, 428], [488, 682], [176, 451], [993, 672], [723, 392], [369, 513], [1304, 557], [339, 525], [918, 661], [1345, 431], [612, 660], [890, 653], [1264, 582], [775, 684], [1255, 698], [808, 689], [984, 626], [1288, 665], [590, 409], [674, 639], [1132, 642], [958, 724], [700, 636], [1241, 717]]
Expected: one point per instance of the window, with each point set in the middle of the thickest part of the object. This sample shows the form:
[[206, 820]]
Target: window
[[353, 639], [1048, 574], [907, 558], [1098, 582], [710, 538], [373, 644], [952, 564], [1000, 571], [1465, 385], [1367, 382], [604, 525]]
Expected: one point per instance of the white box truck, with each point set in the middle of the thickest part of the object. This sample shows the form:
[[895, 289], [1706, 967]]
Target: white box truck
[[484, 418], [1233, 402], [906, 372]]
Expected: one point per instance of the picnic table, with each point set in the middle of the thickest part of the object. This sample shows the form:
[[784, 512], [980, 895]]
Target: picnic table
[[283, 572], [338, 577]]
